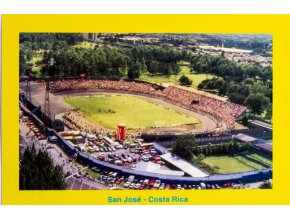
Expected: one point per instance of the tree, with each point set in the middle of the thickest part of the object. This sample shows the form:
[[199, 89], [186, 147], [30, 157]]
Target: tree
[[257, 103], [268, 115], [223, 89], [237, 98], [245, 121], [134, 71], [29, 55], [38, 172], [185, 81], [183, 146], [22, 62], [266, 185]]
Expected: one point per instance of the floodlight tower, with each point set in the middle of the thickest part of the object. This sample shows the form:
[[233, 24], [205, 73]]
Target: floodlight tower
[[28, 91], [46, 108]]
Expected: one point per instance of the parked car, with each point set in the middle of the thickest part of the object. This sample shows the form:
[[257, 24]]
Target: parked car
[[52, 139], [237, 186], [118, 162], [91, 150], [95, 169], [77, 175], [131, 178], [132, 185], [29, 123], [151, 183], [127, 184], [146, 181], [227, 185], [129, 159], [132, 145], [146, 159], [137, 186], [50, 146], [162, 186], [217, 186], [113, 180], [157, 184], [202, 185]]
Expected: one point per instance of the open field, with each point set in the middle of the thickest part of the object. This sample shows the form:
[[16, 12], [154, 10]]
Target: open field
[[238, 163], [37, 71], [36, 58], [109, 111], [173, 79]]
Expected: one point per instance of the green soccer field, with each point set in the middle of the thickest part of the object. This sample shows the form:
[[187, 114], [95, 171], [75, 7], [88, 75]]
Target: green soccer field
[[109, 111]]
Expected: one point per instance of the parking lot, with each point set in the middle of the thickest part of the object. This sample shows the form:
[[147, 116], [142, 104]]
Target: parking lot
[[74, 183]]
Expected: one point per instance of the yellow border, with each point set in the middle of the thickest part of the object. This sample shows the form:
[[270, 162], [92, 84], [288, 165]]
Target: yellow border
[[272, 24]]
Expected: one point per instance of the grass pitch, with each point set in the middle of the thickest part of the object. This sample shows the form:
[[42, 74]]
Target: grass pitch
[[246, 161], [135, 112]]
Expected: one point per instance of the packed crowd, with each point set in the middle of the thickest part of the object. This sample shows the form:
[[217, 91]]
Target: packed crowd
[[120, 85], [227, 111], [75, 120]]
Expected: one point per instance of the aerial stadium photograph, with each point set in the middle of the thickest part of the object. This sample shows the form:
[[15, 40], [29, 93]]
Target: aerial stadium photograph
[[128, 111]]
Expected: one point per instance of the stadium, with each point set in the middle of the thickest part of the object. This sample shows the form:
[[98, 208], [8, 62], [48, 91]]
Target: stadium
[[212, 114], [149, 111]]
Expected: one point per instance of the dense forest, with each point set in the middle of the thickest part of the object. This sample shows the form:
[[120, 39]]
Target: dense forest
[[101, 61], [246, 84]]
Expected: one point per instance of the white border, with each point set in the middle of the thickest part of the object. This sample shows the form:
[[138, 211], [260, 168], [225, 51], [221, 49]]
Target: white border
[[144, 211], [145, 6]]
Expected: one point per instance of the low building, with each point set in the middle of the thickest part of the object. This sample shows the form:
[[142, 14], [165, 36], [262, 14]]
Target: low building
[[151, 167], [245, 138], [183, 165]]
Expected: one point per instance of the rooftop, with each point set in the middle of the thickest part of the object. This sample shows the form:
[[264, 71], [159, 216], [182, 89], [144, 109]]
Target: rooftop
[[183, 165]]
